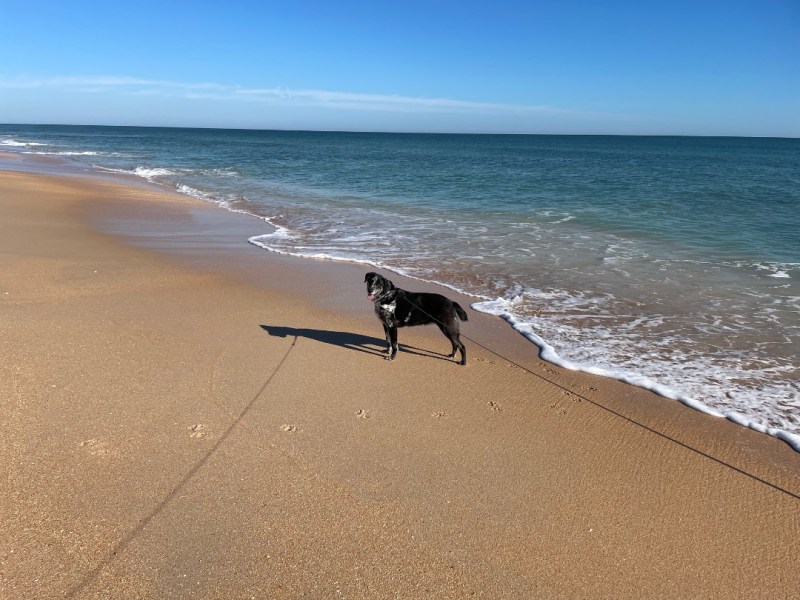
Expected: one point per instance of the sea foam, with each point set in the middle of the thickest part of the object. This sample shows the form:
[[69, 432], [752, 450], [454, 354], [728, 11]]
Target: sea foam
[[151, 173], [503, 308], [11, 143]]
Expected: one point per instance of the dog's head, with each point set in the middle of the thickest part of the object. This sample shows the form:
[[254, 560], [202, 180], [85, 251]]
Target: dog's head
[[377, 286]]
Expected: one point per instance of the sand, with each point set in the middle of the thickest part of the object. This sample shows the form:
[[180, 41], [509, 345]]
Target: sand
[[187, 416]]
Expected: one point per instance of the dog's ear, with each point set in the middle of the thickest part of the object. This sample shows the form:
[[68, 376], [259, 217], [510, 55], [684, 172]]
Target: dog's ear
[[370, 275]]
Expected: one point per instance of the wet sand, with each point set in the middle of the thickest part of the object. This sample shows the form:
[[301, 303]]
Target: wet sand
[[184, 416]]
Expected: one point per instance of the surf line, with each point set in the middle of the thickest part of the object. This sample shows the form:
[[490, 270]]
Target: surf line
[[631, 420]]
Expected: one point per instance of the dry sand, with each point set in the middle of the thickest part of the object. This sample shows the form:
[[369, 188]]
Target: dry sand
[[201, 421]]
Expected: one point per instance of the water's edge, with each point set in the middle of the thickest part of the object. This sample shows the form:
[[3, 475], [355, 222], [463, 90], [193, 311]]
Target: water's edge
[[64, 165]]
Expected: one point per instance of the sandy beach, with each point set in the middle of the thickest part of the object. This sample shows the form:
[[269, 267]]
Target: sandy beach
[[189, 416]]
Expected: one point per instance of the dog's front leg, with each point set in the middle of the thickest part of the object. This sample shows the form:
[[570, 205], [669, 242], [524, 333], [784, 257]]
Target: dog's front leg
[[386, 332], [392, 342]]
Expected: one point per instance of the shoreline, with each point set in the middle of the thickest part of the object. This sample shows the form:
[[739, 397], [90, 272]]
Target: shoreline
[[755, 405], [248, 391], [210, 229], [545, 351]]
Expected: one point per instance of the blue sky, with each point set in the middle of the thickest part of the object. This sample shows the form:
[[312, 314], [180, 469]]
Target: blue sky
[[701, 67]]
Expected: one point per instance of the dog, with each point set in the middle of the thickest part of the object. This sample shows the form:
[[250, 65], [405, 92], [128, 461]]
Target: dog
[[399, 308]]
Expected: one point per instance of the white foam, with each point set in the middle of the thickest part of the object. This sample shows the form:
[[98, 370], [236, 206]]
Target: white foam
[[17, 144], [503, 308], [283, 233], [224, 172], [88, 153], [112, 170], [151, 173], [190, 191], [778, 270], [279, 233]]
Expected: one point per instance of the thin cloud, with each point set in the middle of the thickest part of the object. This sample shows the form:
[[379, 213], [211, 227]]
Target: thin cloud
[[354, 101], [279, 95]]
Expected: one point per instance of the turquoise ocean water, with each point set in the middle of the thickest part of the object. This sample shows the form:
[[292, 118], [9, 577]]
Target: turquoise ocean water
[[669, 262]]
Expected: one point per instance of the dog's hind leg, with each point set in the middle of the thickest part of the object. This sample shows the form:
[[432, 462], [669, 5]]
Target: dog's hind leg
[[463, 352], [451, 333], [458, 344]]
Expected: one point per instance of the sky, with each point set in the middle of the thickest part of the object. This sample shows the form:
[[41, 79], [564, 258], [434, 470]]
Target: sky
[[639, 67]]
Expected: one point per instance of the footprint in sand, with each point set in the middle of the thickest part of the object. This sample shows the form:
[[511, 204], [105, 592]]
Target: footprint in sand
[[439, 414], [362, 414], [96, 447], [289, 428], [494, 406], [197, 431], [547, 368]]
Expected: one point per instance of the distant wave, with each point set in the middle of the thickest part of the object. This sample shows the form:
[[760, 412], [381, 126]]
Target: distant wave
[[151, 173], [88, 153], [17, 144]]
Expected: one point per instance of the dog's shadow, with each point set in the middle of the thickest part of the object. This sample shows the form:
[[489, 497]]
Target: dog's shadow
[[347, 339]]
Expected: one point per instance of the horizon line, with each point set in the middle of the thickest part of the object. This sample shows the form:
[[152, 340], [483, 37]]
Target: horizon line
[[387, 132]]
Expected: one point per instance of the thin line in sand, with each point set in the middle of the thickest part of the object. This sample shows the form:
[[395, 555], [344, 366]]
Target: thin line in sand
[[637, 423], [134, 533]]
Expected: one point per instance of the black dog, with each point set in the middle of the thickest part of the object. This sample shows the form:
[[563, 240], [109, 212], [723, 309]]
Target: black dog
[[399, 308]]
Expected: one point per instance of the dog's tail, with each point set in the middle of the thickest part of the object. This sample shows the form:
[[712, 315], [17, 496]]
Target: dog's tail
[[460, 311]]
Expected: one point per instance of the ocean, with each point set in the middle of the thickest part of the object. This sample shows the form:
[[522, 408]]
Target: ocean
[[672, 263]]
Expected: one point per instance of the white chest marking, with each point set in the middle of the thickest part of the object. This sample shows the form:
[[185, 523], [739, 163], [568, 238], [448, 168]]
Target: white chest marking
[[389, 308]]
